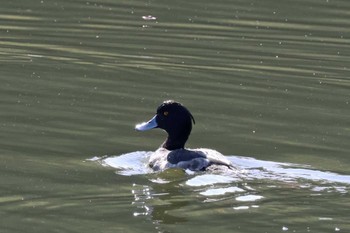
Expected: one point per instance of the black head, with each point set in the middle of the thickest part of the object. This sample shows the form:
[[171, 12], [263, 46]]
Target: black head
[[175, 119], [173, 116]]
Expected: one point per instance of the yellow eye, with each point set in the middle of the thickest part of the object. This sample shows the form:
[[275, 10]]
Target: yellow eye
[[165, 113]]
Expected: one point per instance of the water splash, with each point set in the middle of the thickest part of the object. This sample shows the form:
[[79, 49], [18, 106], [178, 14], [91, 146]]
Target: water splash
[[259, 169], [210, 179], [135, 163]]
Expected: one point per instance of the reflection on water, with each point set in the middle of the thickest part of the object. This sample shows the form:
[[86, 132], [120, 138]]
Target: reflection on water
[[141, 194], [154, 202]]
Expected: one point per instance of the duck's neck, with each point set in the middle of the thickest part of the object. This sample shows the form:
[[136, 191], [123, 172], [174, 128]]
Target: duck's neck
[[174, 143]]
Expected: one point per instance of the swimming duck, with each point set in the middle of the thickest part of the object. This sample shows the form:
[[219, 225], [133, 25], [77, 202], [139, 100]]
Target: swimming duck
[[177, 120]]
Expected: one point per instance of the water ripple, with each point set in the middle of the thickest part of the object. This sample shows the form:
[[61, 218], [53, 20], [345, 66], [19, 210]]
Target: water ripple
[[135, 163]]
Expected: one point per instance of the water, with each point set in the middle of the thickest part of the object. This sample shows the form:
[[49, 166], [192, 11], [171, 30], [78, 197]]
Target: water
[[259, 187], [267, 82]]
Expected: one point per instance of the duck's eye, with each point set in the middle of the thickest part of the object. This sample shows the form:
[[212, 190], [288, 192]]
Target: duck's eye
[[165, 113]]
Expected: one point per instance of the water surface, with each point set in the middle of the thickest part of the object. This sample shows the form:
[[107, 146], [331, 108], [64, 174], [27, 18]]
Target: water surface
[[267, 82]]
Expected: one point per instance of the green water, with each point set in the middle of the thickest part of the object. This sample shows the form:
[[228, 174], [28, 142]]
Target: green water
[[263, 79]]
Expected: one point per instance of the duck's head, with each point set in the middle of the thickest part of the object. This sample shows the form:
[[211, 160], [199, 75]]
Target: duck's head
[[175, 119]]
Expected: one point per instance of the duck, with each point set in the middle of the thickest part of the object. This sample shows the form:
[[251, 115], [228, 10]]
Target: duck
[[176, 120]]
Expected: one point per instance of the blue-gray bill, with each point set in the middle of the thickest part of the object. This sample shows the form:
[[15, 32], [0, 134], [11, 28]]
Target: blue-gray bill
[[151, 124]]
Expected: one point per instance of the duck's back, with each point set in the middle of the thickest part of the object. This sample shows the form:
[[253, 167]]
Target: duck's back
[[192, 159]]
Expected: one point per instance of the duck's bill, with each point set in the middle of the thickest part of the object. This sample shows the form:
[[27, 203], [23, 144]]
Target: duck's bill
[[151, 124]]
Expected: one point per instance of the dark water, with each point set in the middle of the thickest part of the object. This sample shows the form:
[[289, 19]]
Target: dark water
[[266, 80]]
